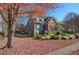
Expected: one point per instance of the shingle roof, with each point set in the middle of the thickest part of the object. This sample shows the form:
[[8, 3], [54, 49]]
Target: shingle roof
[[49, 18]]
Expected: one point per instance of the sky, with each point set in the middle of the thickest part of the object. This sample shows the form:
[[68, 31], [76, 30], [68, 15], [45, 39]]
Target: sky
[[63, 9]]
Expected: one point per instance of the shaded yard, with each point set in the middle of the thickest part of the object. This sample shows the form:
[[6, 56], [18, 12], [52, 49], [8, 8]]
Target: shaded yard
[[31, 46]]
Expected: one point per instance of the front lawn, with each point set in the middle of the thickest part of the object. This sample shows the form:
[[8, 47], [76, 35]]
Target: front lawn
[[31, 46], [75, 52]]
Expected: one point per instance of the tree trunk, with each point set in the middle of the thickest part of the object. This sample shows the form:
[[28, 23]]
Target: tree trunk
[[10, 35], [11, 29]]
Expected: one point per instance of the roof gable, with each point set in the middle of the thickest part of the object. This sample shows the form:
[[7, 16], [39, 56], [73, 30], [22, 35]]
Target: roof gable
[[49, 18], [44, 19]]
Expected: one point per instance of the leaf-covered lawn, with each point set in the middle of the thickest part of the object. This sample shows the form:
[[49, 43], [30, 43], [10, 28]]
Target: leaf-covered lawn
[[75, 52], [30, 46]]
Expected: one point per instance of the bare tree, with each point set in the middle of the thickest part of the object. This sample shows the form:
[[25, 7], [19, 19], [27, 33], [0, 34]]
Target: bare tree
[[71, 22]]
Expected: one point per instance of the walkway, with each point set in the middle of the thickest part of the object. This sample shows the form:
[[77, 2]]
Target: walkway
[[66, 50]]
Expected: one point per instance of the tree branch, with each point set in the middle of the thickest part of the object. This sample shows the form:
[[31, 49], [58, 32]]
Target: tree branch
[[3, 17], [16, 8]]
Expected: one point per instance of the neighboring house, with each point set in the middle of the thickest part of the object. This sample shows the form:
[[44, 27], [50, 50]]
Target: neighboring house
[[41, 24]]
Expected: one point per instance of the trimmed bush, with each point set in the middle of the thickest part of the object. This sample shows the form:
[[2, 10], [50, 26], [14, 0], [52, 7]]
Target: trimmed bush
[[65, 37], [57, 35], [48, 37], [54, 37], [38, 37], [77, 36], [43, 38], [72, 36]]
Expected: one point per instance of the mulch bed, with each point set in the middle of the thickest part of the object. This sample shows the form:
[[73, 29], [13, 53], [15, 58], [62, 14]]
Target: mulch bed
[[29, 46]]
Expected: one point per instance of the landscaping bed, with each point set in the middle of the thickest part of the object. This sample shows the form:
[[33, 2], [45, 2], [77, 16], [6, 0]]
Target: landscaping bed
[[30, 46], [56, 35]]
